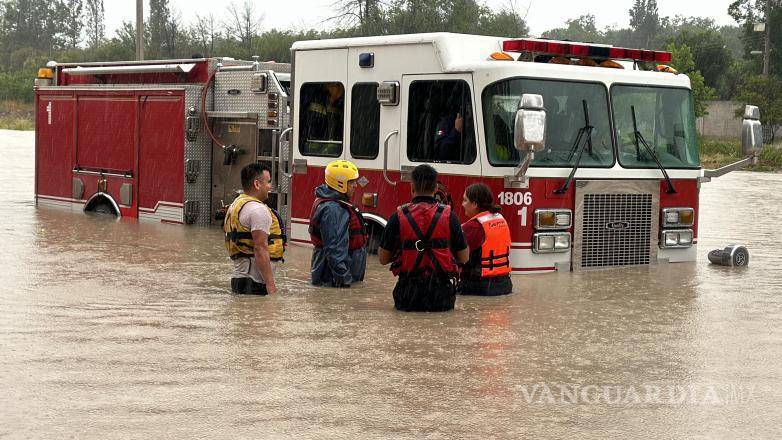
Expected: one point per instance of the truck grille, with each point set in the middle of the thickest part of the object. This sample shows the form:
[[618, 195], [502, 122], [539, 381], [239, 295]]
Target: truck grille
[[616, 227]]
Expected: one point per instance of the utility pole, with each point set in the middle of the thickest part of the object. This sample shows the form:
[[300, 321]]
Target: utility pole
[[139, 30], [767, 42]]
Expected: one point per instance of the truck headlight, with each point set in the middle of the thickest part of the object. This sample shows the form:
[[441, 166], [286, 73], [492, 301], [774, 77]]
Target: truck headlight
[[547, 242], [676, 238], [553, 218], [678, 217]]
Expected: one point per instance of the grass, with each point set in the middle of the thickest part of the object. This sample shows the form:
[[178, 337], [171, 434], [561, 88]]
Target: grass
[[716, 153], [16, 115]]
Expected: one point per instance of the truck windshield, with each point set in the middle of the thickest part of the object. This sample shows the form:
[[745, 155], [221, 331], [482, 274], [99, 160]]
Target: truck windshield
[[564, 102], [664, 117]]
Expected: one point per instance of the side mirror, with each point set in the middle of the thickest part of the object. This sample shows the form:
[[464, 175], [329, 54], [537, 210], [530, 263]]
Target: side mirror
[[751, 132], [529, 134]]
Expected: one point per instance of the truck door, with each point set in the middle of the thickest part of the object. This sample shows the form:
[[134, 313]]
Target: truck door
[[372, 126], [320, 79], [438, 127]]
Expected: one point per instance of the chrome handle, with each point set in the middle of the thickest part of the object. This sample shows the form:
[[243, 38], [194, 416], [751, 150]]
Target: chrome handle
[[385, 157], [280, 159]]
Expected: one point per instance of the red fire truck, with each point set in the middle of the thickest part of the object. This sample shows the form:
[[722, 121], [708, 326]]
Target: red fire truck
[[591, 149]]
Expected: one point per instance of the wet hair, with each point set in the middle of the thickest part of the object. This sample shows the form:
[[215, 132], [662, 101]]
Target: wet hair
[[480, 194], [252, 172], [424, 179]]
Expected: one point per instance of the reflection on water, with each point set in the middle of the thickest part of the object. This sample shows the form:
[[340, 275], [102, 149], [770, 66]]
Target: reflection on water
[[119, 329]]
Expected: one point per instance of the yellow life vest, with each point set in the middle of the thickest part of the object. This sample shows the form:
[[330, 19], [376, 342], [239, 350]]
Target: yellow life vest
[[239, 238]]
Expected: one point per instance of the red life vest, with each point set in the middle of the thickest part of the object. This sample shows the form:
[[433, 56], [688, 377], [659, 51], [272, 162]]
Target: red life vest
[[356, 229], [495, 250], [425, 235]]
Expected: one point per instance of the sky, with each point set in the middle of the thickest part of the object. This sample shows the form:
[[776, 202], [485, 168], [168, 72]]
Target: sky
[[541, 15]]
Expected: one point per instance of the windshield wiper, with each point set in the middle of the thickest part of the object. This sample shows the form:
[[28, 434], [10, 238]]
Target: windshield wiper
[[639, 138], [586, 130]]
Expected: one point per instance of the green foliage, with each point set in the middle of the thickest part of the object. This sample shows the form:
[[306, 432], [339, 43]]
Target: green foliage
[[766, 93], [645, 22], [748, 12], [715, 153], [684, 61], [16, 86], [582, 28], [708, 50]]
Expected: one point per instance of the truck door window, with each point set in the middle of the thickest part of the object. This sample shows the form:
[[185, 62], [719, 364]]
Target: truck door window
[[321, 119], [364, 121], [440, 125]]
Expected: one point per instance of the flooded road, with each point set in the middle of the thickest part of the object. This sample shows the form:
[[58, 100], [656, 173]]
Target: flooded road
[[119, 329]]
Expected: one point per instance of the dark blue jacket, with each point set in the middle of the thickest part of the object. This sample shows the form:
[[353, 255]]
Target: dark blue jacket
[[334, 265]]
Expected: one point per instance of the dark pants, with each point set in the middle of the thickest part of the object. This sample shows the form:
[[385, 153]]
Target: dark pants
[[247, 286], [487, 286], [424, 294]]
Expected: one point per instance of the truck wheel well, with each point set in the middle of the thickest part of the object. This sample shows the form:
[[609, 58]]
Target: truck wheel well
[[102, 204]]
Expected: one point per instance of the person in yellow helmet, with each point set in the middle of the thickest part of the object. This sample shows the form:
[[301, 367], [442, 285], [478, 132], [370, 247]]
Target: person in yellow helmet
[[337, 229]]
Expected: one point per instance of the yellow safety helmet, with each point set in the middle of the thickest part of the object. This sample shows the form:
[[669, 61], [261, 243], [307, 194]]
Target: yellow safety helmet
[[339, 173]]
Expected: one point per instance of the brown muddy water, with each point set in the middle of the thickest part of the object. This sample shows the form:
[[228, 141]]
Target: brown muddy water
[[119, 329]]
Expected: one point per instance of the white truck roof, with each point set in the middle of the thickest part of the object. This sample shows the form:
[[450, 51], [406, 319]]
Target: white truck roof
[[469, 53]]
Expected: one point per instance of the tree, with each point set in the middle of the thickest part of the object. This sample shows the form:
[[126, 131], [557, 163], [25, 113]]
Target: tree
[[710, 55], [37, 24], [582, 28], [507, 22], [95, 22], [766, 93], [205, 33], [244, 25], [164, 28], [683, 61], [366, 15], [645, 22], [73, 23], [748, 12]]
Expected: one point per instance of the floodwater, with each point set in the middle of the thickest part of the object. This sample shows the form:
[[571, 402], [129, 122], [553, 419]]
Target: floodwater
[[119, 329]]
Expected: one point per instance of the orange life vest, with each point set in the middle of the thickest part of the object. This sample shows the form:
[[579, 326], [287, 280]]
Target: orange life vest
[[495, 250]]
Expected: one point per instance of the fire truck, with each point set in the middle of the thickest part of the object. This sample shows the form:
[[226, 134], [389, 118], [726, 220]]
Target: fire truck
[[591, 150]]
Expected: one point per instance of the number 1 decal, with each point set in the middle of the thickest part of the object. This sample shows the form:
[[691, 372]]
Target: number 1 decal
[[523, 214], [523, 199]]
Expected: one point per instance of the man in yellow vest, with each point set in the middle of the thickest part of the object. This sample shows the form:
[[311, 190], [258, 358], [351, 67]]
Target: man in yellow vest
[[253, 236]]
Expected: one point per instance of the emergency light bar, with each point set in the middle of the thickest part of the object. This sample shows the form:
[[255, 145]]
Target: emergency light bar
[[581, 50]]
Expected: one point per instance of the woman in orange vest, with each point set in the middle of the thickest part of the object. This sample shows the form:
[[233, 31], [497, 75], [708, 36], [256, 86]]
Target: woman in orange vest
[[488, 236]]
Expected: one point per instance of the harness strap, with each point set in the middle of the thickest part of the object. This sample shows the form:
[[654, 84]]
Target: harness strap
[[425, 245], [237, 235]]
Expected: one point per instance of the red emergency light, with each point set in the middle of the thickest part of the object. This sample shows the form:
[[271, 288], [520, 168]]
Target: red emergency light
[[580, 50]]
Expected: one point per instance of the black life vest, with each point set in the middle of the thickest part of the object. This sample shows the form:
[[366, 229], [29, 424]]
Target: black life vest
[[356, 229], [425, 235]]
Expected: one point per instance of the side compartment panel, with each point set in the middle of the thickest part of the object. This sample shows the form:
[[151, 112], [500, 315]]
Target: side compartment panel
[[54, 145], [105, 132], [161, 149]]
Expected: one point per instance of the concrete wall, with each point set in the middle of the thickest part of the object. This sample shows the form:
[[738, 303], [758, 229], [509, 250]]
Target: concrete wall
[[721, 122]]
